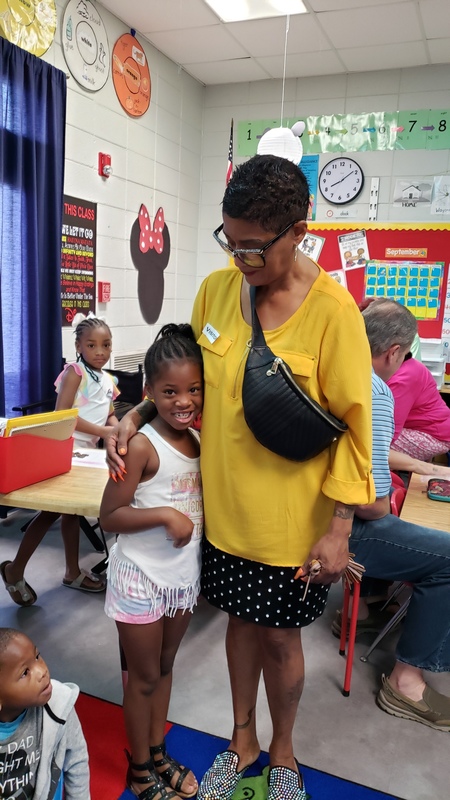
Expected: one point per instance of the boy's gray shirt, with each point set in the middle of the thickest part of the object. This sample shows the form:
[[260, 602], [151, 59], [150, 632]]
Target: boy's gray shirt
[[63, 748]]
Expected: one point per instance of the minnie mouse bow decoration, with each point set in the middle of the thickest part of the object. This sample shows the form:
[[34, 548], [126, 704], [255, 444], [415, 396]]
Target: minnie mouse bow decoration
[[150, 253], [151, 238]]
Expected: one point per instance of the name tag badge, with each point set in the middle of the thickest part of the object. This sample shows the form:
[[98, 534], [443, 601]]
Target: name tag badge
[[210, 333]]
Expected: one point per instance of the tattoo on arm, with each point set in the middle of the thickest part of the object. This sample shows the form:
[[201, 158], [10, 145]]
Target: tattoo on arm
[[245, 724], [344, 512], [146, 411]]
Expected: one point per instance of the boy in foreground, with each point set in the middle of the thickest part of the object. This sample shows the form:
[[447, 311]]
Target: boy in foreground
[[42, 747]]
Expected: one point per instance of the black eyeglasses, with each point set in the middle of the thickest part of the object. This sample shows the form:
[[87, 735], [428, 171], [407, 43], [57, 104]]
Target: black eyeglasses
[[252, 258]]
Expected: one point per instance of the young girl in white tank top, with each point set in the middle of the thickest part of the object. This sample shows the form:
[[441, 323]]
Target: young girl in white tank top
[[154, 568]]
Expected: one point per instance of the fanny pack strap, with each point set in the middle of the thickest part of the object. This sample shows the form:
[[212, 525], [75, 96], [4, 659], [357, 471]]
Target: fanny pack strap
[[258, 339]]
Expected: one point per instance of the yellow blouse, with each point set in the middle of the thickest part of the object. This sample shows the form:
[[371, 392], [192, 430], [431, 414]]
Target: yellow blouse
[[259, 505]]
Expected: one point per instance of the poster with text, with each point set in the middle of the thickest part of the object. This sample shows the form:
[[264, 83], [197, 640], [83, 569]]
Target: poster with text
[[78, 252], [309, 165], [440, 203], [412, 192], [353, 249]]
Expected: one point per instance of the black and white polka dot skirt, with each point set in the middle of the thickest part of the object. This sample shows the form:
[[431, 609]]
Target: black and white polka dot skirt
[[257, 592]]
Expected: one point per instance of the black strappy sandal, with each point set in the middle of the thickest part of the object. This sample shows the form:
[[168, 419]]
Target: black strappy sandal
[[172, 768], [156, 788]]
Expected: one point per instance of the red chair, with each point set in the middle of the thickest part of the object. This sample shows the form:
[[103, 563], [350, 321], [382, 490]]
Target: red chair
[[396, 481], [396, 500]]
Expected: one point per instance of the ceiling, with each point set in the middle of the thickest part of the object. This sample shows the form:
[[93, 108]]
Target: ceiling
[[335, 36]]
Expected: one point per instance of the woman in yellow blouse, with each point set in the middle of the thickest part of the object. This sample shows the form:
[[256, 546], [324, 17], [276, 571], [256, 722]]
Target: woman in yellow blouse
[[266, 516]]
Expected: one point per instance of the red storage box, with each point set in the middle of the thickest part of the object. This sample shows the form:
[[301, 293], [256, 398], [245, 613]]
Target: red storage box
[[27, 459]]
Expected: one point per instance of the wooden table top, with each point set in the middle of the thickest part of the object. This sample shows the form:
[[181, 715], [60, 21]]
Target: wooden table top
[[418, 508], [79, 492]]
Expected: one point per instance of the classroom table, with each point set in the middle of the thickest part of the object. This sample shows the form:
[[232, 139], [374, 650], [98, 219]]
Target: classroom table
[[78, 492], [418, 508]]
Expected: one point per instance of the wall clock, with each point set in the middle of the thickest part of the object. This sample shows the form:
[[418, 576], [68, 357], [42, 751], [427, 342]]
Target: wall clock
[[341, 181]]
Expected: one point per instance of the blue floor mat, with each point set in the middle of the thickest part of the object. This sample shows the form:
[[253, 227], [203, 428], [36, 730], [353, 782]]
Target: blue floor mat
[[198, 750]]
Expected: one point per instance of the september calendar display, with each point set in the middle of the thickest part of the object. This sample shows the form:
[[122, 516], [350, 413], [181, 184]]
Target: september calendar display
[[417, 286]]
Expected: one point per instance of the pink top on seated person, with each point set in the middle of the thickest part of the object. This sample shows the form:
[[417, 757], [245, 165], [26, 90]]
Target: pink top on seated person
[[417, 402]]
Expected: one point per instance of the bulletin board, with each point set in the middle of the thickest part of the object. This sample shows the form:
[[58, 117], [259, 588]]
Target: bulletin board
[[389, 242]]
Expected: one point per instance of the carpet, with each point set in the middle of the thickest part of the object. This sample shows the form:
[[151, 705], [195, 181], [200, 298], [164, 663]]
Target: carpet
[[104, 730]]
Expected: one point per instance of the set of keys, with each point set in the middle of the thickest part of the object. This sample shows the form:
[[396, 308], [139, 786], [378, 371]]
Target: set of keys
[[353, 572], [314, 568]]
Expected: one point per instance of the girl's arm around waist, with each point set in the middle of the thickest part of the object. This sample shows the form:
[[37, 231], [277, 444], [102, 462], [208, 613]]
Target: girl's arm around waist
[[116, 514]]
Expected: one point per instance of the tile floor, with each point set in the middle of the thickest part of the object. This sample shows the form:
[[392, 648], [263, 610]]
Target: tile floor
[[350, 737]]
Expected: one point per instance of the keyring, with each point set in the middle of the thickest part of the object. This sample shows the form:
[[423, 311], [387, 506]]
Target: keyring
[[314, 568]]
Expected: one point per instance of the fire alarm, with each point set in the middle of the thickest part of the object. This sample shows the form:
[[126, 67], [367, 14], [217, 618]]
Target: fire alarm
[[104, 165], [103, 292]]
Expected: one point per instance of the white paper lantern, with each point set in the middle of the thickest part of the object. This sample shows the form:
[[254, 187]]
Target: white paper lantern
[[283, 142]]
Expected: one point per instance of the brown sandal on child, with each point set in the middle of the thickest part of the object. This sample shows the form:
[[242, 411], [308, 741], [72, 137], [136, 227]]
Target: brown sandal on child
[[21, 592], [169, 773]]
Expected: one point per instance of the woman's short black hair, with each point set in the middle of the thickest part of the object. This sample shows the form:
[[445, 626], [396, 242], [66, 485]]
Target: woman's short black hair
[[269, 190]]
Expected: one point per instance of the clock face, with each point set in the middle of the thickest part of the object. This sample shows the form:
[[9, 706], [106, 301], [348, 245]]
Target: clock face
[[341, 181]]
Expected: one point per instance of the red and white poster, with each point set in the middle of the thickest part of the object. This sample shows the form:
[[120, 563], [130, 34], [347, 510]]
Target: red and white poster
[[78, 253]]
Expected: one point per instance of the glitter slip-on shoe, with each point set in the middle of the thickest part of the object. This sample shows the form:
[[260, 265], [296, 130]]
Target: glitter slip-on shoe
[[285, 784], [433, 710], [221, 779]]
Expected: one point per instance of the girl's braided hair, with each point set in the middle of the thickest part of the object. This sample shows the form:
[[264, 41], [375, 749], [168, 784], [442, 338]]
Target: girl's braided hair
[[84, 326], [173, 342]]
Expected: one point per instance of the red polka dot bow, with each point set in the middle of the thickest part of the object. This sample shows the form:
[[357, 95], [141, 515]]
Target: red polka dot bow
[[151, 238]]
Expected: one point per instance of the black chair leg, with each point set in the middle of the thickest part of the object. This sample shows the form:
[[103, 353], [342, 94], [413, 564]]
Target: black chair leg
[[102, 565], [95, 540]]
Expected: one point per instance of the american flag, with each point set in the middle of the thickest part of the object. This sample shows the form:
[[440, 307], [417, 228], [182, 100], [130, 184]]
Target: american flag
[[230, 156]]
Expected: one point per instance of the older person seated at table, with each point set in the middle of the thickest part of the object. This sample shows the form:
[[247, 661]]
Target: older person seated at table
[[395, 550]]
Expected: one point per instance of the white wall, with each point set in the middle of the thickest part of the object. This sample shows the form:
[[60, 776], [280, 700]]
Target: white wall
[[156, 161], [389, 90], [175, 156]]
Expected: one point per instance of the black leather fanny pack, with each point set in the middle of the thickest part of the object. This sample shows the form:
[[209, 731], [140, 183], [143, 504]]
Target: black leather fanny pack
[[281, 416]]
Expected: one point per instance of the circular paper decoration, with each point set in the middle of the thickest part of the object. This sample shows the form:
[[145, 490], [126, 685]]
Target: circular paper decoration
[[30, 24], [85, 44], [131, 75], [283, 142]]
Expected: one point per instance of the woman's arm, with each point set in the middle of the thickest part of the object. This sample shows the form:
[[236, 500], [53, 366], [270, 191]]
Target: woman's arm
[[345, 379], [380, 508], [401, 462], [332, 548], [348, 392], [119, 436], [116, 514]]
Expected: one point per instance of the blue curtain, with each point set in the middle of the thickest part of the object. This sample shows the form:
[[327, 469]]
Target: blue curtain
[[32, 135]]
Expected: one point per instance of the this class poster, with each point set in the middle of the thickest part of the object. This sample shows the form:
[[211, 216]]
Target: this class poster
[[78, 257]]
